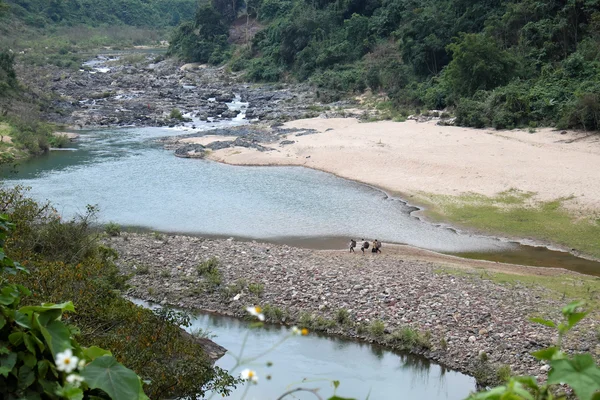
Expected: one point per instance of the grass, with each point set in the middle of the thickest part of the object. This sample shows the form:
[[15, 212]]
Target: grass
[[377, 328], [517, 214]]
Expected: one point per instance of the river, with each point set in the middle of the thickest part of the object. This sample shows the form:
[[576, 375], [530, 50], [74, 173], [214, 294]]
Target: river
[[136, 183], [314, 361]]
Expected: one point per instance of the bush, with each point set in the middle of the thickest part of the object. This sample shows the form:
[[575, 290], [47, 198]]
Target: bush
[[471, 113], [112, 229], [342, 316], [176, 114], [377, 328], [256, 289], [152, 345]]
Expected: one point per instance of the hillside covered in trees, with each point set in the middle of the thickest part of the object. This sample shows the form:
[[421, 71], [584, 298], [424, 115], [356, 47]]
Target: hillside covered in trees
[[129, 12], [498, 63]]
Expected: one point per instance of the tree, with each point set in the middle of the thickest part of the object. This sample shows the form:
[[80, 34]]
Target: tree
[[8, 78], [477, 64]]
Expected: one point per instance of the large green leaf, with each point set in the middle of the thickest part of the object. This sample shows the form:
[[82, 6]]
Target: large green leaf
[[93, 352], [7, 363], [67, 306], [545, 354], [581, 373], [56, 334], [543, 322], [108, 375], [26, 377]]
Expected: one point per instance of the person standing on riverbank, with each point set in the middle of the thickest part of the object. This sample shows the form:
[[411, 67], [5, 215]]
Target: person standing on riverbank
[[377, 246], [365, 245], [352, 245]]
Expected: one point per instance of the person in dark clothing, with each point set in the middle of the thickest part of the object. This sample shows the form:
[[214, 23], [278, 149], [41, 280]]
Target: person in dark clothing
[[365, 245], [352, 245]]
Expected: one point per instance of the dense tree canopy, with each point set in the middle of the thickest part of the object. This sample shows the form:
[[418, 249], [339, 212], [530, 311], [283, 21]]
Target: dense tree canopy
[[93, 12], [511, 62]]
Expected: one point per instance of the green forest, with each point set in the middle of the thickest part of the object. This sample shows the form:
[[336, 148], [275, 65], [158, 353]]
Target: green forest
[[496, 63], [129, 12]]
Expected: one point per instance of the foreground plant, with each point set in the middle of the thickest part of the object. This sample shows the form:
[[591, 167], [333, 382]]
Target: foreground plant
[[579, 372], [39, 357]]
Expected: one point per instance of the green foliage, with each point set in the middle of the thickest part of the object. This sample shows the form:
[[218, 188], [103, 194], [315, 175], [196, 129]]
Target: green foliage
[[209, 269], [377, 328], [579, 371], [342, 316], [256, 289], [39, 356], [114, 12], [151, 344], [202, 40], [477, 64], [8, 78], [176, 114], [407, 338], [112, 229], [504, 64]]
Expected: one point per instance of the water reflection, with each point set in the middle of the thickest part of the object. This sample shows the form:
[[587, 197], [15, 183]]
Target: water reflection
[[314, 361]]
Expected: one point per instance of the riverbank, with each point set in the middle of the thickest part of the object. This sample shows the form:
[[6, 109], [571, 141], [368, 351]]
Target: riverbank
[[447, 169], [461, 318]]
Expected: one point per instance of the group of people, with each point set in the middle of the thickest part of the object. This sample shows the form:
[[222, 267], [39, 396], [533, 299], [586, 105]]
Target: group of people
[[375, 247]]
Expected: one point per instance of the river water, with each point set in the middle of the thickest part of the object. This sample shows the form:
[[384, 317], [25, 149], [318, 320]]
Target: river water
[[313, 361], [135, 182]]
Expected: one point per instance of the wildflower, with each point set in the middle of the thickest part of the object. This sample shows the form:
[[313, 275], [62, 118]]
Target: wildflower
[[296, 331], [257, 312], [81, 364], [304, 331], [66, 361], [75, 379], [249, 375]]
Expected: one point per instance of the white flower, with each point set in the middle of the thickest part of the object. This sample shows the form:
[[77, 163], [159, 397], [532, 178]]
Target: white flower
[[81, 364], [257, 312], [66, 361], [75, 379], [249, 375], [296, 331]]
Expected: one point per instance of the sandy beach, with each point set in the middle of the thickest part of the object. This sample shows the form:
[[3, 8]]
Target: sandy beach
[[421, 157]]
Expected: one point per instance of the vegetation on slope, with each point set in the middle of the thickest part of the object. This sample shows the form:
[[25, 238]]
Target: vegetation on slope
[[499, 63], [66, 263], [155, 13]]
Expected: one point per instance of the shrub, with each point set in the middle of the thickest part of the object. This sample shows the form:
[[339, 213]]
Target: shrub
[[142, 270], [256, 289], [342, 316], [152, 345], [471, 113], [112, 229], [377, 328], [176, 114], [209, 266]]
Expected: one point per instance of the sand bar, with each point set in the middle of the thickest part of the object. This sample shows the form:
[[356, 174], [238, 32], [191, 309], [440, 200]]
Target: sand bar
[[412, 157]]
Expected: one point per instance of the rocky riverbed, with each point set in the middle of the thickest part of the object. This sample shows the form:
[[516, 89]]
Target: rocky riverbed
[[470, 324], [143, 89]]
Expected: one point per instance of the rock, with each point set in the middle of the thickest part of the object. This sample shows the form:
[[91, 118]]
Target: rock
[[191, 151], [472, 339]]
